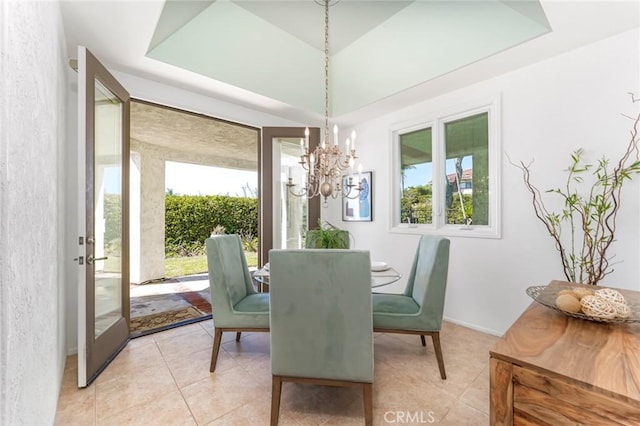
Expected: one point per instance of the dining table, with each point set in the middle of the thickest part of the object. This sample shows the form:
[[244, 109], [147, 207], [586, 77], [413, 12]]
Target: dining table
[[382, 274]]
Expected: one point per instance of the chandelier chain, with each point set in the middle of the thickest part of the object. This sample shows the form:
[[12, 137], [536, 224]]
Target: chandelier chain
[[326, 70], [325, 163]]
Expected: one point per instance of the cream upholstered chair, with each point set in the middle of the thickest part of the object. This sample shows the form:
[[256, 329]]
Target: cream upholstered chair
[[235, 304], [321, 326], [419, 309]]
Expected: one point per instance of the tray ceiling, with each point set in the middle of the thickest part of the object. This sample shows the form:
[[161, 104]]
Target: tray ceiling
[[378, 48], [267, 55]]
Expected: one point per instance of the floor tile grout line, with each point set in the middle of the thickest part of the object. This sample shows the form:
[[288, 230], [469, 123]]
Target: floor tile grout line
[[471, 406], [468, 406], [467, 388], [173, 377], [95, 383], [459, 400]]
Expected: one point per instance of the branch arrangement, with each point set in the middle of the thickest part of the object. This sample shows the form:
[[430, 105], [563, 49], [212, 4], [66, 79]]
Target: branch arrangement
[[585, 228]]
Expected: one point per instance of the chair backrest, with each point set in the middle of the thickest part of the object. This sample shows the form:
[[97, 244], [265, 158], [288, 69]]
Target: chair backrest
[[427, 282], [321, 314], [229, 276]]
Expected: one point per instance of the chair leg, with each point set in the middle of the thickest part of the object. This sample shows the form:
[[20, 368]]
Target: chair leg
[[276, 389], [436, 345], [238, 336], [367, 395], [217, 338], [424, 343]]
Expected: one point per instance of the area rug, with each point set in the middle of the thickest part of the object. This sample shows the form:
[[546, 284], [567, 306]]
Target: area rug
[[163, 319]]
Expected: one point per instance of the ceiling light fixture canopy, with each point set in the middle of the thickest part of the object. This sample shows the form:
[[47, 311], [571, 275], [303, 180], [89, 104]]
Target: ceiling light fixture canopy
[[325, 165]]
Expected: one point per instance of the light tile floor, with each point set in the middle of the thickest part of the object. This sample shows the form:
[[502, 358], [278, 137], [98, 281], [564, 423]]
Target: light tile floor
[[164, 379]]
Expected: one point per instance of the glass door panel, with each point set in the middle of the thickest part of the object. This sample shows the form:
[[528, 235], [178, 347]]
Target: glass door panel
[[290, 216], [107, 209], [284, 218]]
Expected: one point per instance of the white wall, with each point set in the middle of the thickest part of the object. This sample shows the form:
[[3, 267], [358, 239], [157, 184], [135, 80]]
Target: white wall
[[549, 109], [33, 81]]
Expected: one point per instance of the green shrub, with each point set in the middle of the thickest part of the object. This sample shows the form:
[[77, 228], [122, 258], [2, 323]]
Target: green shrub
[[249, 241], [113, 222], [190, 219]]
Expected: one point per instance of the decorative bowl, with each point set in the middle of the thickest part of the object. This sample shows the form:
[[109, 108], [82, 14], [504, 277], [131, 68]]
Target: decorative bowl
[[546, 295]]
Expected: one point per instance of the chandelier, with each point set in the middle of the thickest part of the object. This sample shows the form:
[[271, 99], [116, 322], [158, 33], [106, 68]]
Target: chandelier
[[325, 165]]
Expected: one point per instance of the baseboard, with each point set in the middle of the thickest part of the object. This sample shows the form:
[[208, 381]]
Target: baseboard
[[72, 351], [473, 327]]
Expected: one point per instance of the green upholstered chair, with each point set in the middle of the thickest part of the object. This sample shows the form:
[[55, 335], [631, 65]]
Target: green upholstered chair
[[321, 321], [419, 309], [235, 304]]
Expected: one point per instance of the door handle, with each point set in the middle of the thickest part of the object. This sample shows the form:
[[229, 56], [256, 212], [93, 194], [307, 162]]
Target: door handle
[[91, 259]]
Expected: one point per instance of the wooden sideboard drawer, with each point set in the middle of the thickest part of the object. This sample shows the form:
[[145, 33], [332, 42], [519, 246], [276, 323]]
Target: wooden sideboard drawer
[[541, 406], [549, 369], [557, 401], [522, 419]]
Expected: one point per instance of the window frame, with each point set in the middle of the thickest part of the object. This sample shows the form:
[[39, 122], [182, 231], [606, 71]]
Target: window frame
[[437, 120]]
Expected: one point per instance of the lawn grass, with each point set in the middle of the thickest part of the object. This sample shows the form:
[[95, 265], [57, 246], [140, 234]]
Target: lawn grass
[[180, 266]]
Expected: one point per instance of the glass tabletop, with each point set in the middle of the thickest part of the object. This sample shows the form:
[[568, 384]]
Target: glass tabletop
[[378, 278]]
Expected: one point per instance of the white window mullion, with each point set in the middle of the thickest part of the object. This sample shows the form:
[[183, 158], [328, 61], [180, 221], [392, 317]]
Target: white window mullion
[[439, 207], [396, 181], [495, 182]]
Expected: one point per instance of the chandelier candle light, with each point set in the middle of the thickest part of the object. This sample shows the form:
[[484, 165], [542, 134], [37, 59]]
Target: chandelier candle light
[[324, 166]]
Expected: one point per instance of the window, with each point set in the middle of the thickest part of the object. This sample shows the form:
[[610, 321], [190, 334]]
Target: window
[[447, 174]]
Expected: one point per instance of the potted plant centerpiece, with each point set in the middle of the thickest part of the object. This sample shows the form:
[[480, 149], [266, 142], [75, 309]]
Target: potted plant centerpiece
[[327, 236]]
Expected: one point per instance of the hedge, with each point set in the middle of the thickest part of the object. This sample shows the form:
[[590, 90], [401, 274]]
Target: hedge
[[190, 219]]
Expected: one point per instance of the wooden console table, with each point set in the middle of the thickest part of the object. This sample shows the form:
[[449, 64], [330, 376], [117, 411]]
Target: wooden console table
[[550, 369]]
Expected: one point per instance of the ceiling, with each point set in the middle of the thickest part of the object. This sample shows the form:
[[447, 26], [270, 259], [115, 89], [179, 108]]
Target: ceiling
[[194, 138], [268, 55]]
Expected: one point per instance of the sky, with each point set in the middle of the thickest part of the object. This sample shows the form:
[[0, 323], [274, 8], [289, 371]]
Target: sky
[[421, 174], [191, 179]]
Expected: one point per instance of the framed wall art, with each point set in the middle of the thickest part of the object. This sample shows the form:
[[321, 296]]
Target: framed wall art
[[360, 208]]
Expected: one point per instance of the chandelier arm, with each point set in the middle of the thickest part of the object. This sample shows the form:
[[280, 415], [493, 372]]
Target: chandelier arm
[[290, 185], [358, 188], [350, 197], [331, 2]]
